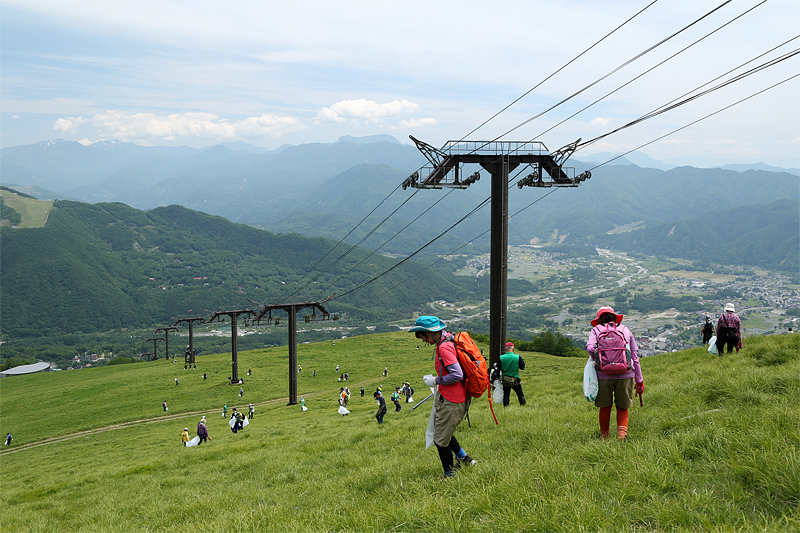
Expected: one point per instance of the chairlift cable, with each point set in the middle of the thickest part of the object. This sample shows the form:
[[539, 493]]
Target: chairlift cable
[[565, 65], [650, 69]]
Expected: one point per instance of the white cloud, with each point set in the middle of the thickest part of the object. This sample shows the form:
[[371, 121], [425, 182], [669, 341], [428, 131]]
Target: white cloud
[[147, 127], [415, 123], [65, 125], [363, 112], [600, 121]]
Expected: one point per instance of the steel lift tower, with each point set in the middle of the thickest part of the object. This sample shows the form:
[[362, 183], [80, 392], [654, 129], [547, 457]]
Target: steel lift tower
[[264, 313], [499, 158], [188, 360], [166, 330], [234, 315]]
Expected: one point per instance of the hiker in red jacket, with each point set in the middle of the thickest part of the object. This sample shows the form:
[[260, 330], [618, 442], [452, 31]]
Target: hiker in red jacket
[[615, 388], [450, 398]]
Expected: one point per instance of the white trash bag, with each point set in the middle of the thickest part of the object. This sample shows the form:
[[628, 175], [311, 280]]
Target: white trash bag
[[194, 442], [497, 392], [712, 345], [590, 383], [343, 410]]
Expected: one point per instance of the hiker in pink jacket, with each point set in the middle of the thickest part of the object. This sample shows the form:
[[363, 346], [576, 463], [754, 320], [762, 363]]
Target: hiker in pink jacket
[[618, 385]]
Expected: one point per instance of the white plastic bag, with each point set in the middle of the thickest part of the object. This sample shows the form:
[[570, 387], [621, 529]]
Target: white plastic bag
[[590, 383], [343, 410], [429, 429], [712, 345], [497, 393], [194, 442]]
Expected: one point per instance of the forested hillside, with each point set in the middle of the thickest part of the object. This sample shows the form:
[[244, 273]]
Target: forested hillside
[[96, 267], [763, 235]]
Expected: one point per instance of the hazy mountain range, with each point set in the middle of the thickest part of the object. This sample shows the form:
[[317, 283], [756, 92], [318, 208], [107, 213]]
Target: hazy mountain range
[[329, 189]]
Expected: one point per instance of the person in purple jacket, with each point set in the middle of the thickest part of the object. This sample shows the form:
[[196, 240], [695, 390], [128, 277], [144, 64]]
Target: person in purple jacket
[[615, 389], [202, 431]]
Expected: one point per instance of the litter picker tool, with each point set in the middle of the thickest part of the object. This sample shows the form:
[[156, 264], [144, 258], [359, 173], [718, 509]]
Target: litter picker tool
[[428, 397]]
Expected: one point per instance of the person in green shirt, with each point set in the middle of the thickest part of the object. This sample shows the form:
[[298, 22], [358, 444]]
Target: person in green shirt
[[396, 399], [511, 364]]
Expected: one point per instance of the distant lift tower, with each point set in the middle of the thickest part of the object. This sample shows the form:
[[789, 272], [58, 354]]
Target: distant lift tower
[[217, 317], [155, 349], [166, 330], [499, 158], [189, 355], [264, 314]]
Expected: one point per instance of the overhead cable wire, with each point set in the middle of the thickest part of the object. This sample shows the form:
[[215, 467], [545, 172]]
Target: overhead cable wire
[[674, 104], [613, 71], [650, 69], [398, 232], [463, 245], [698, 120], [337, 244], [565, 65], [459, 221]]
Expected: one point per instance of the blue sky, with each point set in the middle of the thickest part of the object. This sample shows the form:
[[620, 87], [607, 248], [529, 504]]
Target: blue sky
[[269, 73]]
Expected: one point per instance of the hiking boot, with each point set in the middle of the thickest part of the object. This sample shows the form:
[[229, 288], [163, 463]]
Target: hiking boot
[[466, 461], [449, 473]]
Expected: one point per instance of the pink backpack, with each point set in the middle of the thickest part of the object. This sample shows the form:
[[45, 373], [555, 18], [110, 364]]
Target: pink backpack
[[612, 354]]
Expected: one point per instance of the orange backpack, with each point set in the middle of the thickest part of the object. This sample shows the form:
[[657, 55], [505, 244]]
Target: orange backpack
[[476, 372]]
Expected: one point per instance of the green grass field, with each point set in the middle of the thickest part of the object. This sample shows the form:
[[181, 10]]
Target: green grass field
[[714, 448], [34, 212]]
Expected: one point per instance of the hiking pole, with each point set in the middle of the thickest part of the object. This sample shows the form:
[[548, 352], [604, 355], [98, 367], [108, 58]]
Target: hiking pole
[[428, 397]]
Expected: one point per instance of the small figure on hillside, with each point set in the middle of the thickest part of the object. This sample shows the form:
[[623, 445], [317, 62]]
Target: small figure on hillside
[[194, 367], [303, 404], [342, 397], [241, 391], [337, 368], [204, 376], [708, 330], [176, 381], [341, 377], [450, 402], [299, 369], [251, 411], [409, 392], [381, 406], [9, 438], [510, 365], [396, 399], [334, 343], [224, 411], [314, 373], [202, 431], [236, 416], [249, 371], [729, 330], [185, 436], [385, 371], [164, 405], [362, 391], [613, 348], [346, 376]]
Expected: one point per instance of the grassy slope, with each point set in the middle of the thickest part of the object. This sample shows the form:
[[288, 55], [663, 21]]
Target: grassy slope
[[715, 447], [34, 212]]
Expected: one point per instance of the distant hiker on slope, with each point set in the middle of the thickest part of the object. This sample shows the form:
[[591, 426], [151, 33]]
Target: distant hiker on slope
[[381, 406], [613, 349], [511, 364], [708, 330], [202, 431], [450, 398], [729, 330], [185, 436]]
